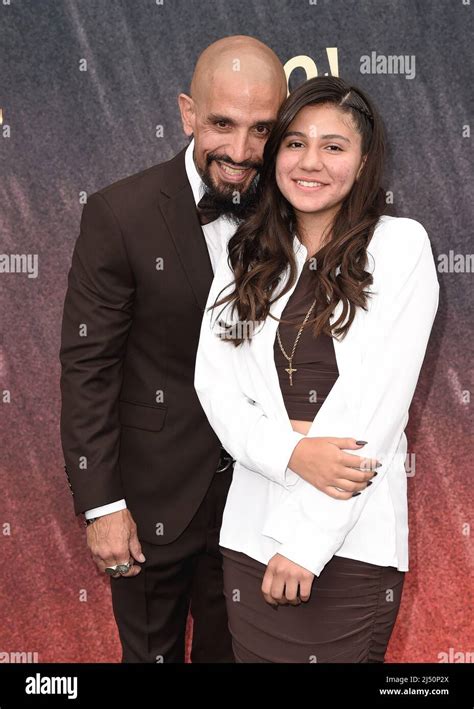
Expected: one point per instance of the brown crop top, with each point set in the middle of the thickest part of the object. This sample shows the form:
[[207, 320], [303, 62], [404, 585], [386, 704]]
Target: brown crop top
[[314, 359]]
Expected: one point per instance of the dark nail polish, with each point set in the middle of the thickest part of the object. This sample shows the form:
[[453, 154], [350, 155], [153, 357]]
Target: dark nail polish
[[369, 483], [376, 473], [378, 465], [354, 494], [361, 443]]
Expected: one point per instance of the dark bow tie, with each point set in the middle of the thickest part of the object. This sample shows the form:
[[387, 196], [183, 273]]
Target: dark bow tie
[[207, 210]]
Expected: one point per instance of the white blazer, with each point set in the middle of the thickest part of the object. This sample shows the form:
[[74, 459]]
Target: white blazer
[[269, 508]]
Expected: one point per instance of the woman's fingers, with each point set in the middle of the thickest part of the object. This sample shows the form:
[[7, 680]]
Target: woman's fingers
[[305, 588], [342, 490], [291, 591], [277, 592], [357, 462], [278, 589], [332, 491], [350, 486], [266, 588], [285, 582]]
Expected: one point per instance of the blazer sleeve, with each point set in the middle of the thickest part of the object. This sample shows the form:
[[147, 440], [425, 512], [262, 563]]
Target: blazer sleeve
[[96, 320], [260, 443], [310, 525]]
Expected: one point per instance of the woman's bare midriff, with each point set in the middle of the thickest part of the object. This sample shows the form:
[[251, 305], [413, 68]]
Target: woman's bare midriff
[[301, 426]]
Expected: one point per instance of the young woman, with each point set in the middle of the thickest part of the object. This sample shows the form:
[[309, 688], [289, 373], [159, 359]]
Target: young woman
[[311, 347]]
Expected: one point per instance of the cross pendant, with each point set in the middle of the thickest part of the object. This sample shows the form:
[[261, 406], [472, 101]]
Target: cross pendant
[[290, 371]]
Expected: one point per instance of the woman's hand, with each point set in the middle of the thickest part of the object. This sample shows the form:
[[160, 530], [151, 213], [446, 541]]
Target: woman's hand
[[281, 580], [322, 463]]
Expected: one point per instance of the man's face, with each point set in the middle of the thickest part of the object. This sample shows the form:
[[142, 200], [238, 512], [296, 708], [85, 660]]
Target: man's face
[[231, 125]]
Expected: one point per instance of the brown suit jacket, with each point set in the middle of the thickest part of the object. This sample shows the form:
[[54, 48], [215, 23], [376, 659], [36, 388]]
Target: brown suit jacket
[[131, 423]]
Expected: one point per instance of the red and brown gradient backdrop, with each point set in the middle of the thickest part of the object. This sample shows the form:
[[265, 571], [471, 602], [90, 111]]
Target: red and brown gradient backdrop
[[84, 90]]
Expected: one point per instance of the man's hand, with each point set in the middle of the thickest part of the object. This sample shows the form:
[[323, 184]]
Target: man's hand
[[281, 580], [322, 463], [112, 539]]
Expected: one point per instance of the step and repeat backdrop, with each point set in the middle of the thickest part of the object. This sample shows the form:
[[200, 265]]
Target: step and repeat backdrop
[[88, 95]]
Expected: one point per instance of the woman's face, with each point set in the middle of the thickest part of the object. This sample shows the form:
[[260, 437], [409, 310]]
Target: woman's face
[[319, 159]]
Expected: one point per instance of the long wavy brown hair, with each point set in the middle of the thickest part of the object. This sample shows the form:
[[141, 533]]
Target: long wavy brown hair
[[262, 247]]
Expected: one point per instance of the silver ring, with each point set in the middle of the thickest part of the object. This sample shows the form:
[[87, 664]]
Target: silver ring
[[119, 568]]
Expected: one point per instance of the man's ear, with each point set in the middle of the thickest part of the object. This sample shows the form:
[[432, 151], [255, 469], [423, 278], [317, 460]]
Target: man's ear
[[188, 116]]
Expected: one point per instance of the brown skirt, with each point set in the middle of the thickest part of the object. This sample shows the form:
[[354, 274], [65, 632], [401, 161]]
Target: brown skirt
[[349, 616]]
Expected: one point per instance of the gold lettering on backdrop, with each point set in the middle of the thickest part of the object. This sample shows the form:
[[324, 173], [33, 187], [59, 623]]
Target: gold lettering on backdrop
[[302, 61]]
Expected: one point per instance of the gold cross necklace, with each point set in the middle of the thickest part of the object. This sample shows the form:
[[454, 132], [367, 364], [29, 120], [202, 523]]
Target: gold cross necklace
[[291, 369]]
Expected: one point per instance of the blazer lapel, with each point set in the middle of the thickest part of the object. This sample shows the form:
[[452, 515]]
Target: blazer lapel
[[177, 206]]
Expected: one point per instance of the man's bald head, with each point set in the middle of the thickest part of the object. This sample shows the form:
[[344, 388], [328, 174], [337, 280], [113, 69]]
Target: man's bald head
[[231, 58], [237, 88]]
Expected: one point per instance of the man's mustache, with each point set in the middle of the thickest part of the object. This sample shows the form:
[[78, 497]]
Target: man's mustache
[[242, 165]]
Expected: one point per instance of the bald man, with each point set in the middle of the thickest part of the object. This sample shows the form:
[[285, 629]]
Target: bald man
[[143, 464]]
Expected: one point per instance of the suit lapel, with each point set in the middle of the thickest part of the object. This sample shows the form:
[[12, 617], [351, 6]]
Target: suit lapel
[[177, 206]]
